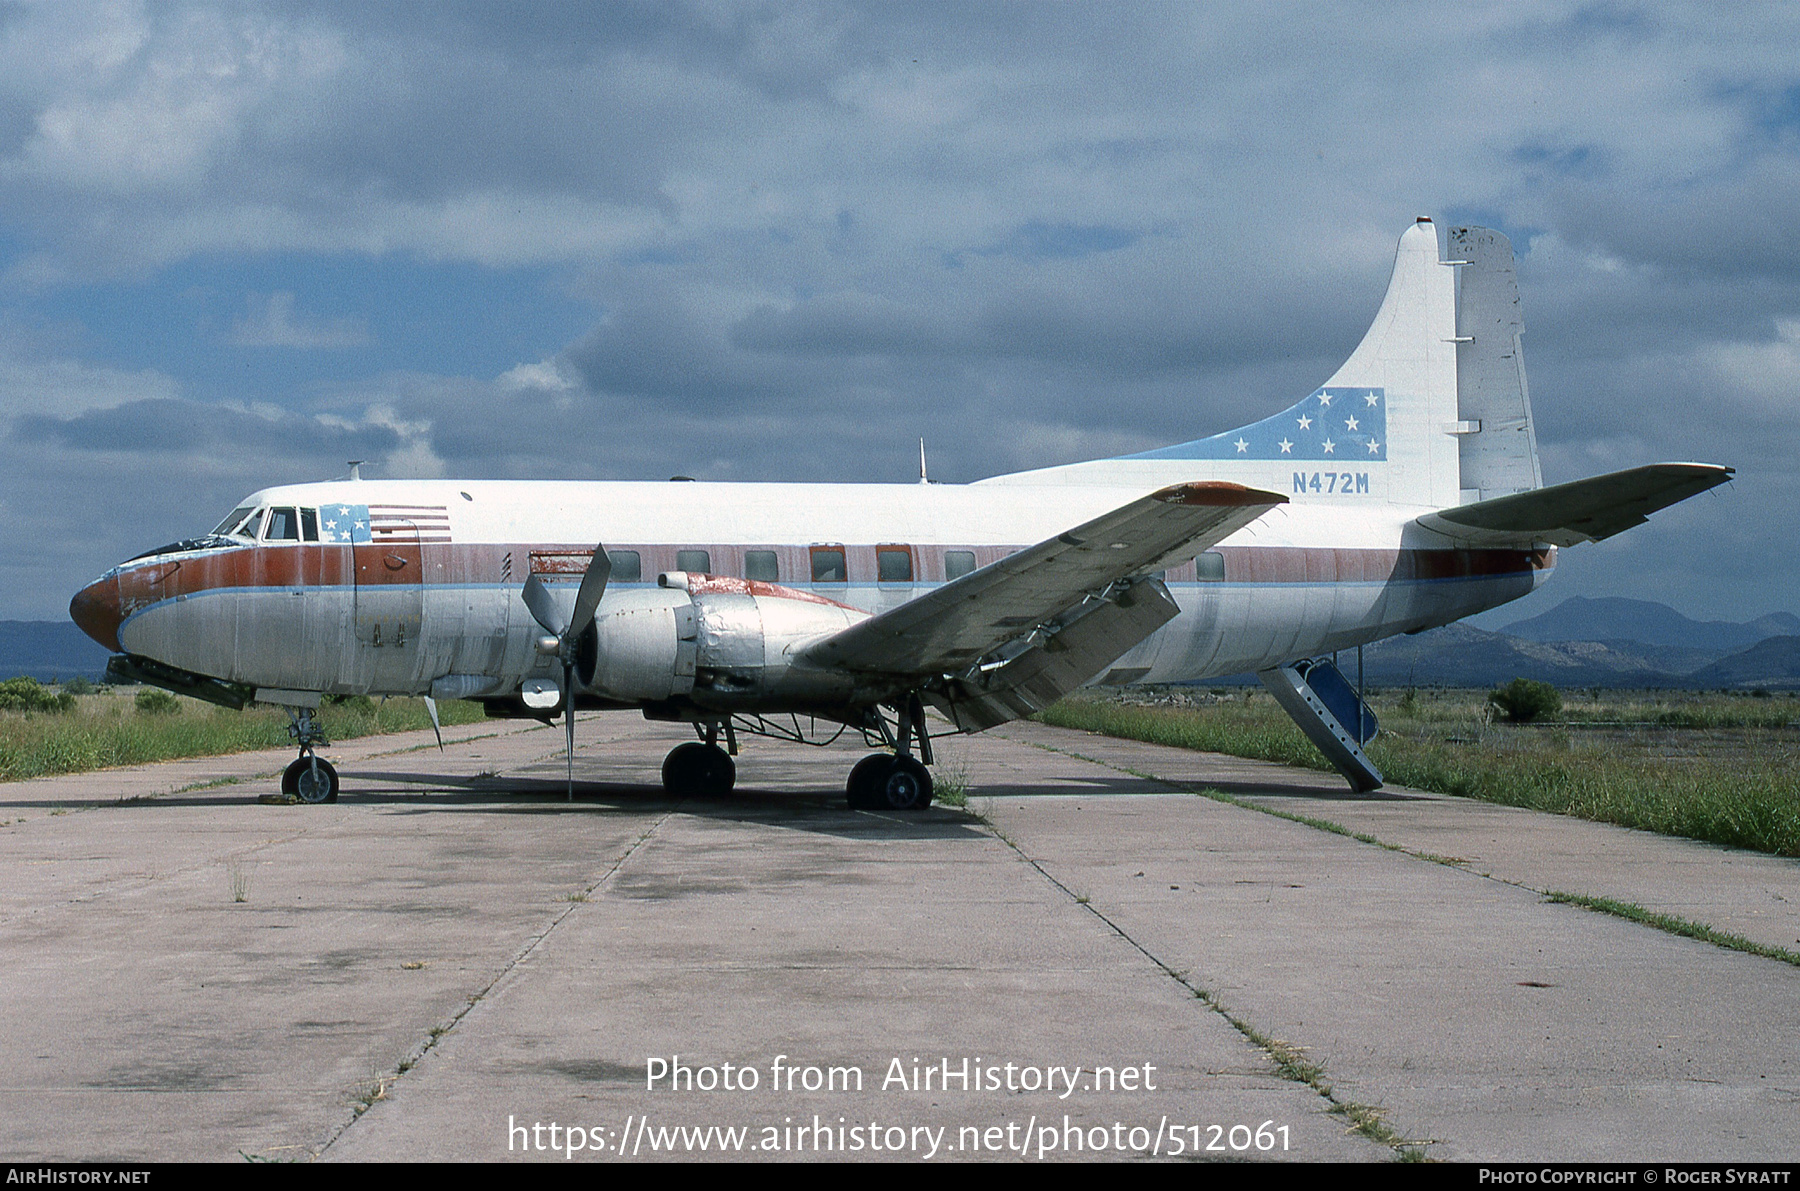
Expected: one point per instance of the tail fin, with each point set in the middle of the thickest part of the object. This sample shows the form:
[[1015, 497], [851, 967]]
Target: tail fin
[[1393, 423]]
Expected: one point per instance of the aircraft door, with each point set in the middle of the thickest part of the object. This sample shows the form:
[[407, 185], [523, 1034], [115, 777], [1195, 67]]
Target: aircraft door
[[390, 608], [290, 617]]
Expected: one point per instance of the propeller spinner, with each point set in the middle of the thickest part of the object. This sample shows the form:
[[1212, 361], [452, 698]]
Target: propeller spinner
[[565, 637]]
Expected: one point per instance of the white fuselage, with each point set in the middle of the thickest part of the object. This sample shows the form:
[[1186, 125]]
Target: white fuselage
[[426, 598]]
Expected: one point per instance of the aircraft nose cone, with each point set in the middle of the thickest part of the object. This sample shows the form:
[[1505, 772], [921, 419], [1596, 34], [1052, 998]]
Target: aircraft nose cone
[[95, 610]]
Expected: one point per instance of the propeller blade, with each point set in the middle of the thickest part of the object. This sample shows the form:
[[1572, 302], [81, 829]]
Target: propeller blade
[[569, 720], [593, 586], [544, 610], [543, 605]]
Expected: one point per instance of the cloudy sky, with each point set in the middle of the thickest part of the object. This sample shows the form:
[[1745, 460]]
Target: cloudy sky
[[243, 243]]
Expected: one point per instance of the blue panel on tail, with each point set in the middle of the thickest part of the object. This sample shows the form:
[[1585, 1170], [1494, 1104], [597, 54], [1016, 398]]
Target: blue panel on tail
[[1331, 425]]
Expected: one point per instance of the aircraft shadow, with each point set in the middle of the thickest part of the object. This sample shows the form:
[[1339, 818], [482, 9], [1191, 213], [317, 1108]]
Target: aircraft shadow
[[818, 811]]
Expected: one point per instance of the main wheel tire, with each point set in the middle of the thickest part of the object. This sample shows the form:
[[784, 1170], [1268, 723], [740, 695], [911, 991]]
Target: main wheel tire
[[907, 786], [863, 787], [301, 780], [699, 770]]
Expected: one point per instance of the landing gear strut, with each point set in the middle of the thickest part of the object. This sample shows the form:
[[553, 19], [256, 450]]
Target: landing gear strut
[[311, 778], [701, 768], [896, 781]]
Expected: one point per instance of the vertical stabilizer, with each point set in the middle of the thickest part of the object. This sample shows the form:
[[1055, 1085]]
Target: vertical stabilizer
[[1384, 428], [1410, 354], [1499, 446]]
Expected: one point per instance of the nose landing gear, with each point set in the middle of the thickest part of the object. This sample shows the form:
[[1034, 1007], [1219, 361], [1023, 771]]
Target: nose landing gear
[[311, 778]]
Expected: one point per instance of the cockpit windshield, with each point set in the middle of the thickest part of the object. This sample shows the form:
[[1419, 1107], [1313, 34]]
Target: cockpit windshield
[[239, 524]]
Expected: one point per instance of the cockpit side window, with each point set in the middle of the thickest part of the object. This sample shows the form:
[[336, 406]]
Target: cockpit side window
[[309, 525], [283, 526]]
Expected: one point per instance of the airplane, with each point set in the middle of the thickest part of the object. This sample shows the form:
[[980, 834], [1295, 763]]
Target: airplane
[[1402, 494]]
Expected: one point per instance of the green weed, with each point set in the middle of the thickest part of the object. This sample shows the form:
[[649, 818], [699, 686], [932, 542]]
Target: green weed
[[98, 734], [1722, 778]]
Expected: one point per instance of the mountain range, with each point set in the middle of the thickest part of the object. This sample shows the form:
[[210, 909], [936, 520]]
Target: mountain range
[[1612, 618], [49, 651]]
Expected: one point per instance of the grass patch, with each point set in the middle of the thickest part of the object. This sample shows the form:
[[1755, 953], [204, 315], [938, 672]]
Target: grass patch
[[107, 729], [950, 782], [1722, 769]]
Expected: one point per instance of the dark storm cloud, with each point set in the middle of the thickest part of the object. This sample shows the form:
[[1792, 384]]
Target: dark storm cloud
[[183, 428]]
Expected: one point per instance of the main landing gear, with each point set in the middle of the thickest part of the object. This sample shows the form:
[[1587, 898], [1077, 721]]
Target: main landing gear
[[700, 768], [311, 778], [895, 781]]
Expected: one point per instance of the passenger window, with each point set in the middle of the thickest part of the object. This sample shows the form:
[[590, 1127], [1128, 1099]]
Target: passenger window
[[309, 525], [1210, 567], [958, 563], [893, 564], [698, 561], [762, 566], [283, 526], [627, 567], [828, 564]]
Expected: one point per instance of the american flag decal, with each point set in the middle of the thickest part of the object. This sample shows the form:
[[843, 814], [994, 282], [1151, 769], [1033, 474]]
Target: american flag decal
[[399, 522]]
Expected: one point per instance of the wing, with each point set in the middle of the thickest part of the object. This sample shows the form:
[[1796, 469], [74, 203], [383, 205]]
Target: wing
[[1582, 511], [1036, 618]]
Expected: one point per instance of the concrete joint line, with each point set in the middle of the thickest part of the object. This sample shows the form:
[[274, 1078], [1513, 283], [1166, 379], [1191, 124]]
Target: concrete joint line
[[1629, 911], [531, 944], [1287, 1059]]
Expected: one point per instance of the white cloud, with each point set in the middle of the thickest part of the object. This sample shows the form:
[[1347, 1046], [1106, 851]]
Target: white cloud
[[273, 322]]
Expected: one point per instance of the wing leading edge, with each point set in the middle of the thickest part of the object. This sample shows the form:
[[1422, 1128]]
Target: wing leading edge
[[1019, 633]]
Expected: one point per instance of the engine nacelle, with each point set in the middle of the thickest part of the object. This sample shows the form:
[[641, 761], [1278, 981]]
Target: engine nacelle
[[729, 644]]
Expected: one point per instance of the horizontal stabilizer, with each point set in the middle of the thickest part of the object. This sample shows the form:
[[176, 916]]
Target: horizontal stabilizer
[[1581, 511]]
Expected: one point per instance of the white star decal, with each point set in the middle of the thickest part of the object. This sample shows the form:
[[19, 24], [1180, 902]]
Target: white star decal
[[1305, 422], [343, 510], [1350, 422], [1287, 448], [1324, 397], [1371, 399], [1242, 446], [1329, 446], [1374, 446]]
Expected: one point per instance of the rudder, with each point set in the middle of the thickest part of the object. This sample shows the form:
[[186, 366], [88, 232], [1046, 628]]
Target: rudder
[[1498, 452]]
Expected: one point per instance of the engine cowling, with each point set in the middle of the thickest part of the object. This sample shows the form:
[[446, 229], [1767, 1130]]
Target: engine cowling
[[727, 644]]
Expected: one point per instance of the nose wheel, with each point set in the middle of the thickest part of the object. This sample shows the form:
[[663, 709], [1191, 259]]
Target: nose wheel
[[311, 778]]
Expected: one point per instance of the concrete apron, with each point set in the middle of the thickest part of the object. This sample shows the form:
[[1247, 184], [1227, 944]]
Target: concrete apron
[[525, 961]]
